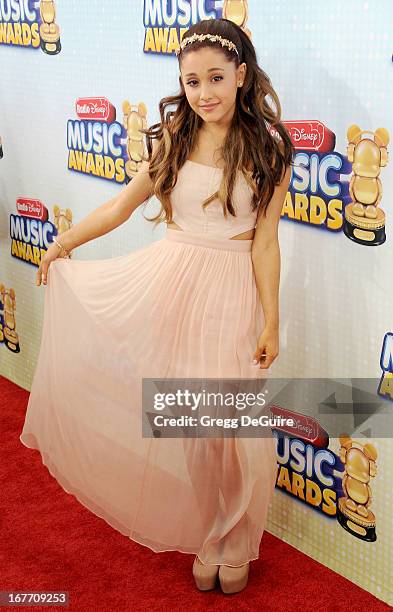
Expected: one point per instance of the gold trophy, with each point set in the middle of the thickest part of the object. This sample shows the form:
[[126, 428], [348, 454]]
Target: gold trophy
[[364, 222], [237, 11], [353, 512], [49, 30], [8, 332], [134, 120]]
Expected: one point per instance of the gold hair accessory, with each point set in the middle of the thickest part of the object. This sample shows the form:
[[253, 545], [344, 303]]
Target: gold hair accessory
[[224, 42]]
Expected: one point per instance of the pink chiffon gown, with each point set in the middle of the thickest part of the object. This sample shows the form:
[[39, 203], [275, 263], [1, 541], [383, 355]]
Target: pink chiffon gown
[[185, 306]]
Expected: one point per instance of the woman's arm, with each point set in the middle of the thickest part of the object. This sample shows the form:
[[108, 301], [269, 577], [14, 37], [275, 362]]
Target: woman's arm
[[266, 261], [111, 214], [266, 253]]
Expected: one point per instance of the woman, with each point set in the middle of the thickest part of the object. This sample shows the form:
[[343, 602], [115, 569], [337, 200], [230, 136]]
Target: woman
[[201, 302]]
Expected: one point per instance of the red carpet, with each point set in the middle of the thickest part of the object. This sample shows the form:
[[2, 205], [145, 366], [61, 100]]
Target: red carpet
[[52, 543]]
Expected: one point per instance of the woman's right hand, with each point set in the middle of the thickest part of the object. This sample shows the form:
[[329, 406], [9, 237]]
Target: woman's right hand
[[52, 253]]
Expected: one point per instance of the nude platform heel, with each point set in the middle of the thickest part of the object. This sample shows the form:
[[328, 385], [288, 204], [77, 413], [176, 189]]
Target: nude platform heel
[[233, 579], [205, 576]]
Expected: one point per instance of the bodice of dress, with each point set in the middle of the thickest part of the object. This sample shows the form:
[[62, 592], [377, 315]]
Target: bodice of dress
[[195, 183]]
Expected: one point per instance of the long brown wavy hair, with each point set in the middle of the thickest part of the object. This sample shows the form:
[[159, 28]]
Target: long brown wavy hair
[[248, 142]]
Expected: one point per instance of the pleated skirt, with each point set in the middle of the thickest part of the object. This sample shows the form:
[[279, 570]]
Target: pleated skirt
[[185, 306]]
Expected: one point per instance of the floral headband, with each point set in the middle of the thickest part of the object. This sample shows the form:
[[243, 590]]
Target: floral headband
[[224, 42]]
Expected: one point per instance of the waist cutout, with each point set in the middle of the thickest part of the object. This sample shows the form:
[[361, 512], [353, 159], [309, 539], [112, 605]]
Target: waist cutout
[[204, 240]]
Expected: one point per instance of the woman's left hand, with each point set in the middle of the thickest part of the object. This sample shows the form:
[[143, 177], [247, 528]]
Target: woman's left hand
[[268, 343]]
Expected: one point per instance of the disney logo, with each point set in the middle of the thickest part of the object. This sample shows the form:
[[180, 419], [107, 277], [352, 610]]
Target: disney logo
[[98, 109], [302, 135]]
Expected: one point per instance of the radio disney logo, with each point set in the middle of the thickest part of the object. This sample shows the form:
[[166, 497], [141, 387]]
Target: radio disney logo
[[318, 193], [31, 232], [95, 108], [311, 135]]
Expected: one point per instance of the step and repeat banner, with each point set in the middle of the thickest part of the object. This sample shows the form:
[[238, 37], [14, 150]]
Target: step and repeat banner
[[79, 80]]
